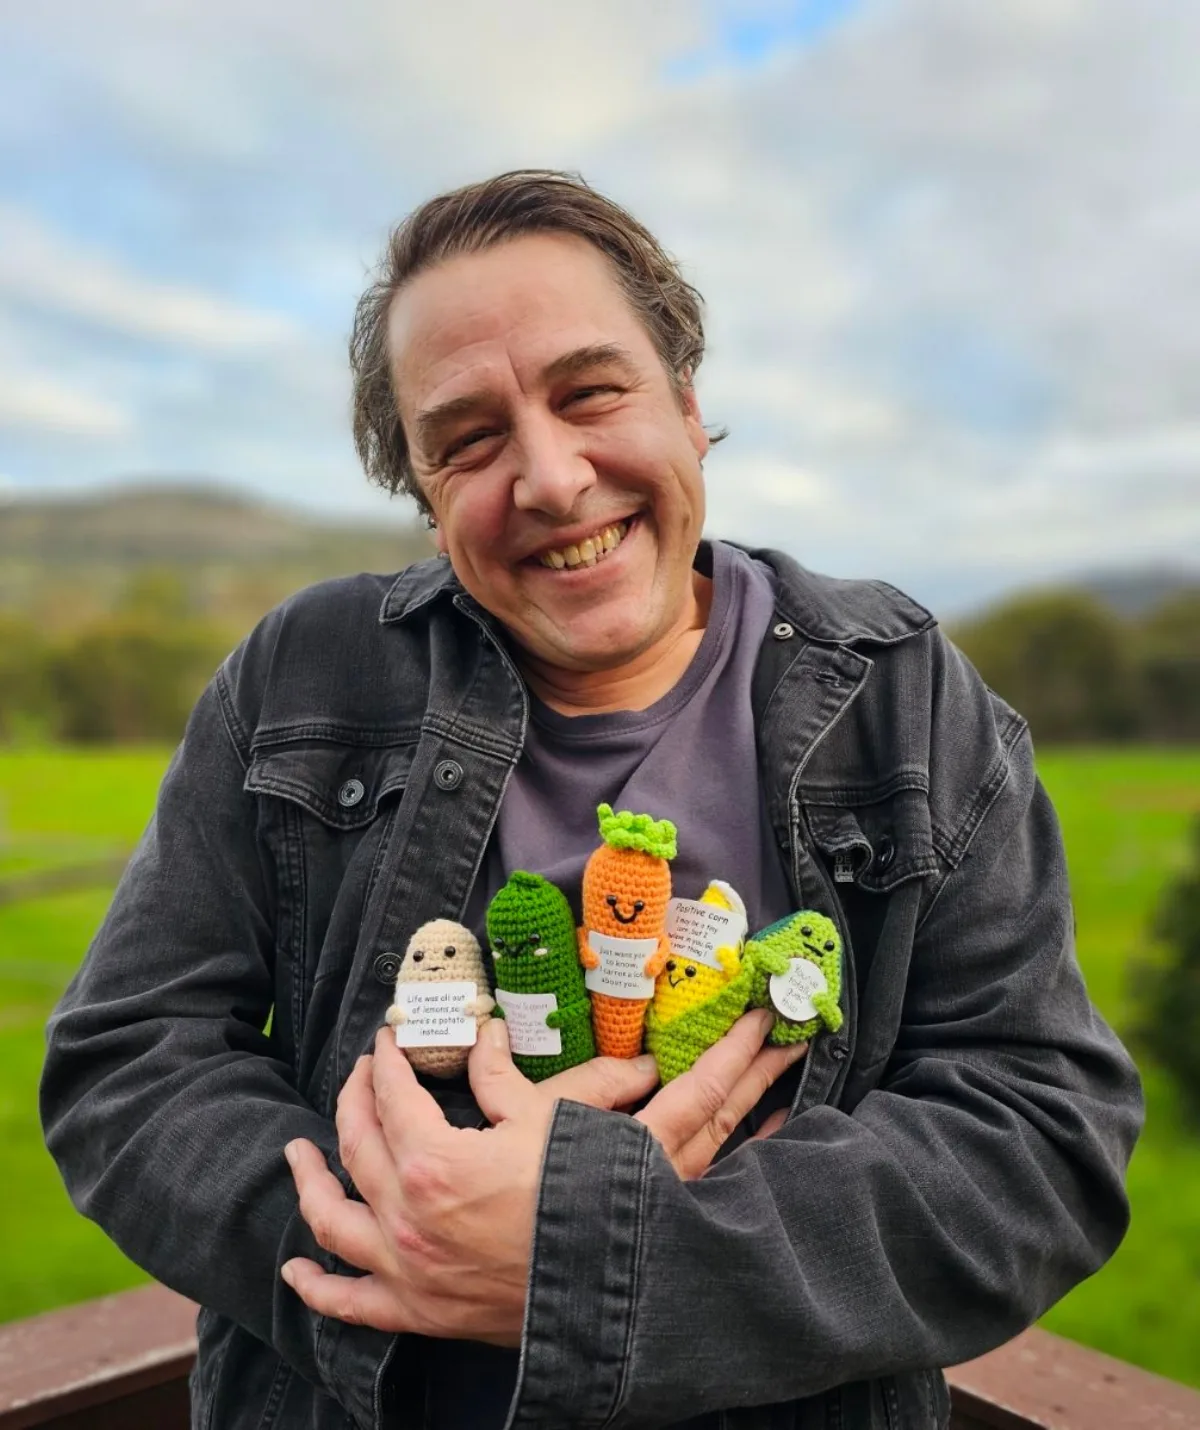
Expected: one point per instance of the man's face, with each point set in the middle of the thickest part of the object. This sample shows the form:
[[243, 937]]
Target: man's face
[[540, 419]]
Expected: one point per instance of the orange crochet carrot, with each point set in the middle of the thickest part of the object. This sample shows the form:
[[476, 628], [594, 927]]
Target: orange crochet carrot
[[626, 888]]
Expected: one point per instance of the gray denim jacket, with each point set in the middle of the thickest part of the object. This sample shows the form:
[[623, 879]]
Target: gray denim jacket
[[954, 1160]]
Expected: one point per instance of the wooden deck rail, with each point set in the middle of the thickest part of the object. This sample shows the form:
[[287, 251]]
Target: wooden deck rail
[[121, 1363]]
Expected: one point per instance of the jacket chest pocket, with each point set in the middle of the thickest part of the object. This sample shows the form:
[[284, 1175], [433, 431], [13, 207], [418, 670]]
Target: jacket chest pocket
[[877, 848], [323, 809]]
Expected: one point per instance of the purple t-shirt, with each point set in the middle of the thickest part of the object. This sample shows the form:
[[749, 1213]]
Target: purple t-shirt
[[690, 757]]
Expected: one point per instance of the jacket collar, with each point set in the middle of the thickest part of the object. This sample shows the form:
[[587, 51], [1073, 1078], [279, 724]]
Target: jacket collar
[[823, 608], [836, 612], [416, 586]]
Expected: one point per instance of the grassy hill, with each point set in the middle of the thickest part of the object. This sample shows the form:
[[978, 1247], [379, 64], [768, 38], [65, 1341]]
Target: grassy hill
[[64, 559]]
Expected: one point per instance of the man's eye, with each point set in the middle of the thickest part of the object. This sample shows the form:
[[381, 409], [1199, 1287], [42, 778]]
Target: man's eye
[[581, 394], [470, 439]]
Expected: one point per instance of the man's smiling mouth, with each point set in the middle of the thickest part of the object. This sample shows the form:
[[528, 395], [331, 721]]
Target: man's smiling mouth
[[587, 552]]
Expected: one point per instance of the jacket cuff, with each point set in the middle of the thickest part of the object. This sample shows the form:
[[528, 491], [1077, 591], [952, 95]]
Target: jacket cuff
[[583, 1270]]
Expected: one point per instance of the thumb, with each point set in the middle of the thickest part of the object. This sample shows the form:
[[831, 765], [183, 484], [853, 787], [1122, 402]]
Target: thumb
[[605, 1082], [501, 1089]]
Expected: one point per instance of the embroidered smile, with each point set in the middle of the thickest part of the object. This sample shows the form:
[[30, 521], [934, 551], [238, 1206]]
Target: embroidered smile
[[587, 552], [638, 906]]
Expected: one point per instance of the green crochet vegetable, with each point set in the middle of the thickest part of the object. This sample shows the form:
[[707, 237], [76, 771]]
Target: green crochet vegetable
[[532, 933], [809, 935]]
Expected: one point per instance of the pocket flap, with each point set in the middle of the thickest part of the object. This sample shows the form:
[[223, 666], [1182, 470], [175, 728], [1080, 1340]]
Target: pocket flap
[[341, 784], [876, 845]]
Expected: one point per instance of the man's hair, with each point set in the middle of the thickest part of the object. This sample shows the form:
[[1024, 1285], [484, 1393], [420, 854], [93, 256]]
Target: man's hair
[[479, 216]]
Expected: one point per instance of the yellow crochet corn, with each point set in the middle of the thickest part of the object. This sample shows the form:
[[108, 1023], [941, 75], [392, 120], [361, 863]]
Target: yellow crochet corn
[[684, 983]]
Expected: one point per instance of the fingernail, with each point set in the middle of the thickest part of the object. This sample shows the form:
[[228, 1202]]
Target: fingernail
[[288, 1275], [766, 1019], [495, 1029], [290, 1153], [645, 1063]]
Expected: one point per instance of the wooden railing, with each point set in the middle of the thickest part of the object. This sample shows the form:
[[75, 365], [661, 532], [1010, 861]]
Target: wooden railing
[[121, 1363]]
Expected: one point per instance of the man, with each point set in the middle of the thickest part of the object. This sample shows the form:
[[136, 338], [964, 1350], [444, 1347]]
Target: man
[[915, 1189]]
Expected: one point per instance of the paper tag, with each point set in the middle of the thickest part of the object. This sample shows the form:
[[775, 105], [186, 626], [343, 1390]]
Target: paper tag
[[621, 962], [435, 1015], [525, 1015], [792, 992], [697, 930]]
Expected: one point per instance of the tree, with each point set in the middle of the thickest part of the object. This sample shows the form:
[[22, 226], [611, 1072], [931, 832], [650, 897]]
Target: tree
[[1167, 992], [26, 698], [1063, 660], [1169, 668]]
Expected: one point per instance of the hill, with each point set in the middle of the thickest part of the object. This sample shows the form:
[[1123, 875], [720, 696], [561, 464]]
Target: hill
[[64, 559]]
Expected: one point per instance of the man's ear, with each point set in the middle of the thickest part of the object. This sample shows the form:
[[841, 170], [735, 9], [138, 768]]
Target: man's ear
[[691, 414]]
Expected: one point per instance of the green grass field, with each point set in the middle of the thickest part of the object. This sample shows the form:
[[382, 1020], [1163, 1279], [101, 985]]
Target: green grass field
[[1125, 815]]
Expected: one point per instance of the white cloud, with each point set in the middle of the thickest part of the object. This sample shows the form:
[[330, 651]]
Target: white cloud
[[38, 402], [41, 267]]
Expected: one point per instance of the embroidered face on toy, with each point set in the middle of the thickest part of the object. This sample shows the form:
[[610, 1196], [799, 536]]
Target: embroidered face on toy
[[626, 881], [819, 937], [532, 933], [442, 951], [684, 983]]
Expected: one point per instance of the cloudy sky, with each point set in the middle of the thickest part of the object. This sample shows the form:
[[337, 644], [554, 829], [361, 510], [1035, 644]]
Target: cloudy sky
[[951, 250]]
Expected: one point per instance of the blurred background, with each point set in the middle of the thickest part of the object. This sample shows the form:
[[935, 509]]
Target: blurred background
[[950, 257]]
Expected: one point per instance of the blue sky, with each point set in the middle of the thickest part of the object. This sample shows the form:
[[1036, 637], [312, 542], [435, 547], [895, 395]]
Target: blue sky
[[948, 249]]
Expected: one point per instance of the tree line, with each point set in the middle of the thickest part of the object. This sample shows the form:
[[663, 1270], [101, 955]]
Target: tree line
[[1076, 670]]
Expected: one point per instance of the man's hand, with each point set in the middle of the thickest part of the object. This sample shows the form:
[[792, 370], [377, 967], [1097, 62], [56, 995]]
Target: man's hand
[[446, 1225]]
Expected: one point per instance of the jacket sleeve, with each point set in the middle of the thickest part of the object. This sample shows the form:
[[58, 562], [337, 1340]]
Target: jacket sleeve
[[161, 1099], [978, 1181]]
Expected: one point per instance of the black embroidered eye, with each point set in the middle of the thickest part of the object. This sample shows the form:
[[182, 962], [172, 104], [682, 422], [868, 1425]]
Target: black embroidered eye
[[499, 945], [535, 939], [611, 900], [829, 947], [450, 950], [639, 905], [670, 965], [690, 971], [417, 957], [806, 932]]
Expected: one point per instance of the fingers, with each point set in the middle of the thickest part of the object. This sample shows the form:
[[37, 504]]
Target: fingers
[[696, 1156], [358, 1300], [771, 1125], [362, 1145], [408, 1114], [344, 1227], [605, 1082], [683, 1107], [501, 1089]]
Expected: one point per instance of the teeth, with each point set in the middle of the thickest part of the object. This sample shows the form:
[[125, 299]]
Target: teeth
[[587, 552]]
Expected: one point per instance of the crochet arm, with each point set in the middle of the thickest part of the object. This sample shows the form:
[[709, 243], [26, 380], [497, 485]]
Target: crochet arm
[[575, 1012]]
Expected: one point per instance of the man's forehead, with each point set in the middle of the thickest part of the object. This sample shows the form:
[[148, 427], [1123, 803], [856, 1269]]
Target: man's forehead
[[535, 301]]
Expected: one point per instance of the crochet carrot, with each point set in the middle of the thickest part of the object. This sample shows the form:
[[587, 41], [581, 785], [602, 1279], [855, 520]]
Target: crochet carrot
[[622, 941]]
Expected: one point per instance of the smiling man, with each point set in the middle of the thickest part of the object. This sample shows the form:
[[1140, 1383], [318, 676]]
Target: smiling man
[[794, 1236]]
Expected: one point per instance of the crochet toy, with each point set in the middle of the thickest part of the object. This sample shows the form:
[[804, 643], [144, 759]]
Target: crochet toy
[[626, 888], [695, 1004], [442, 951], [532, 933], [805, 999]]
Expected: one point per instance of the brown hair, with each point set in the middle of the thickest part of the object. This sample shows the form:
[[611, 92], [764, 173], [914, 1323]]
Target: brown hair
[[477, 217]]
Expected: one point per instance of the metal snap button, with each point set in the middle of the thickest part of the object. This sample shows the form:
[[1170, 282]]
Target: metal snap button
[[350, 793], [387, 967], [448, 774], [838, 1054], [885, 853], [783, 631]]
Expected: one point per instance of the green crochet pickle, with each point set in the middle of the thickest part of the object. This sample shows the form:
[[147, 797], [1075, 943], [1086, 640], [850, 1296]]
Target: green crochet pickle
[[810, 935], [530, 913]]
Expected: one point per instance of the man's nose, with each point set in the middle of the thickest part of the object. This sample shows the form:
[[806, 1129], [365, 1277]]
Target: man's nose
[[553, 472]]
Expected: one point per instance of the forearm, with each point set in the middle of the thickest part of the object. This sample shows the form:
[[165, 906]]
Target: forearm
[[162, 1101]]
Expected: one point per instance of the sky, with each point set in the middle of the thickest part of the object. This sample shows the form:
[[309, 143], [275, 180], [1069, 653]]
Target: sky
[[950, 249]]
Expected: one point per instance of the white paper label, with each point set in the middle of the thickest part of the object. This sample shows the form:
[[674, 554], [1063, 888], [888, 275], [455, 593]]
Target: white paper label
[[435, 1015], [525, 1015], [697, 930], [621, 962], [792, 992]]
